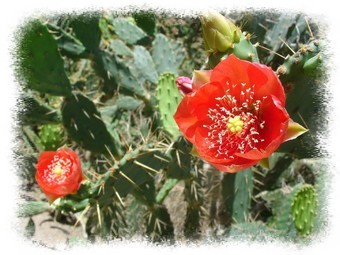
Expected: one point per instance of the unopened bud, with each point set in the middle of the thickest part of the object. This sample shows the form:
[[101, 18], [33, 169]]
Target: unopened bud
[[184, 84], [219, 33]]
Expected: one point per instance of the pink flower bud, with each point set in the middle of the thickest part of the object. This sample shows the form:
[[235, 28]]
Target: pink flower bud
[[184, 84]]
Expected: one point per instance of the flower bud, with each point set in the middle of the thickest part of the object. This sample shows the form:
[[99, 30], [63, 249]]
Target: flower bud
[[219, 33], [184, 85]]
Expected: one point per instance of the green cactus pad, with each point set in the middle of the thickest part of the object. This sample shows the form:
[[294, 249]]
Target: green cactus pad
[[40, 64], [167, 56], [159, 225], [31, 208], [166, 188], [67, 43], [51, 136], [120, 49], [245, 50], [128, 31], [84, 125], [236, 192], [81, 25], [280, 201], [303, 209], [144, 65], [146, 21], [34, 111], [116, 72], [168, 97]]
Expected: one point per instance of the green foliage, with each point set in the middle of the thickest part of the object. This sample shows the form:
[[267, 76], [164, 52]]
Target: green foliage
[[40, 63], [31, 208], [304, 209], [236, 191], [34, 111], [81, 25], [128, 31], [51, 136], [168, 97], [167, 56], [244, 49], [84, 125]]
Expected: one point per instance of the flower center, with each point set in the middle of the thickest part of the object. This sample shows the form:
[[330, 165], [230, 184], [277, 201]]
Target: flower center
[[235, 124], [58, 170]]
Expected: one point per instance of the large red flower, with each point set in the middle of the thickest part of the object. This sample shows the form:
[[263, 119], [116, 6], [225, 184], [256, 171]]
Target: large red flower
[[236, 114], [59, 173]]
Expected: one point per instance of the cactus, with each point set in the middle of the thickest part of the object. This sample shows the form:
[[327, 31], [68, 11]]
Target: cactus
[[51, 136], [143, 64], [237, 192], [31, 208], [168, 98], [166, 56], [84, 124], [244, 49], [81, 25], [118, 116], [34, 111], [146, 21], [280, 201], [120, 49], [127, 31], [306, 60], [41, 64], [304, 209]]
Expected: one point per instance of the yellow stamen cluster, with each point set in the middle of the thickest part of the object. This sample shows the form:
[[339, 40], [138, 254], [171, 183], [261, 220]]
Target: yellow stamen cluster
[[57, 170], [235, 124]]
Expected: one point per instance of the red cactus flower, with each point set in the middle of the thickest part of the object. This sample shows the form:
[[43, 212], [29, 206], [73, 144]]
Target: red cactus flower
[[59, 173], [236, 115]]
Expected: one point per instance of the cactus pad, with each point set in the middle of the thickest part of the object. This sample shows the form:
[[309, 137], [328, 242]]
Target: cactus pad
[[84, 125], [168, 98], [304, 209], [41, 64], [51, 136]]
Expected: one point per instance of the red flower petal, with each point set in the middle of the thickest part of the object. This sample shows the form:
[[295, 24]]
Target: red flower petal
[[194, 107], [237, 71], [59, 173]]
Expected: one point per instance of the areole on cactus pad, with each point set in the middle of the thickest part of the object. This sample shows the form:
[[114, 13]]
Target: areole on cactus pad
[[236, 114]]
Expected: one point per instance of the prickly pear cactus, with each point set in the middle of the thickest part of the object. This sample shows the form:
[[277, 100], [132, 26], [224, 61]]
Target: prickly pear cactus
[[104, 85], [51, 136], [303, 209], [168, 97]]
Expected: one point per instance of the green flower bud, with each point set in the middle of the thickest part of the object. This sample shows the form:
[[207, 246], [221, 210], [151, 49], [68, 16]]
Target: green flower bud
[[219, 33]]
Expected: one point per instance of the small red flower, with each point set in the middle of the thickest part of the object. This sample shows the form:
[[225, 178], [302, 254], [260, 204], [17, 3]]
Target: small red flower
[[236, 114], [59, 173]]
